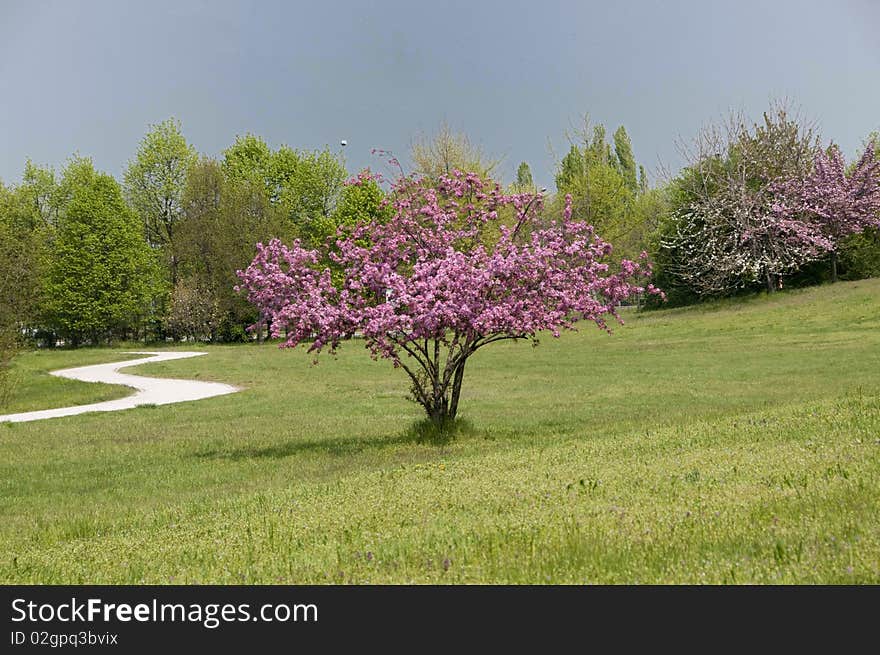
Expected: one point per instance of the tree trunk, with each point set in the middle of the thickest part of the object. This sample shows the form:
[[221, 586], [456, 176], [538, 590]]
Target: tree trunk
[[833, 267], [439, 411], [441, 405], [771, 287], [173, 271], [456, 390]]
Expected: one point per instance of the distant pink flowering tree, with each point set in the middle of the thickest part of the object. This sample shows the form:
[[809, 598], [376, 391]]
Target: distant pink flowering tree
[[837, 203], [456, 266]]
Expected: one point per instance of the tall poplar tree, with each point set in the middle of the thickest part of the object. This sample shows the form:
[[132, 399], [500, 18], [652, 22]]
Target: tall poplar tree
[[524, 181], [626, 161]]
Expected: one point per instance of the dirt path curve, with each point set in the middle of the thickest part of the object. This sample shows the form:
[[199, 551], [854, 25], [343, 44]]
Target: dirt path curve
[[149, 391]]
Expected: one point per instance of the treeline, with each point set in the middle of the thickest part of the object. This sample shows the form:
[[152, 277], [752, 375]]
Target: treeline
[[87, 259]]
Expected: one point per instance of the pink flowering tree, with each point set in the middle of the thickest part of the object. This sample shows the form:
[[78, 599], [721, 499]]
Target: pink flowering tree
[[454, 266], [835, 202]]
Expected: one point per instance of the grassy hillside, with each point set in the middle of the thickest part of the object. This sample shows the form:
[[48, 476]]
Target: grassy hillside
[[737, 442]]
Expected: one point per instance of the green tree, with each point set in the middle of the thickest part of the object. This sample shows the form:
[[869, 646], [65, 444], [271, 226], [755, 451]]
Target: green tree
[[19, 260], [588, 150], [154, 184], [362, 202], [305, 185], [524, 182], [570, 169], [605, 190], [603, 198], [626, 161], [101, 271], [251, 158], [224, 218], [38, 197], [28, 214], [665, 260], [598, 151], [310, 195], [446, 150], [860, 255], [17, 284]]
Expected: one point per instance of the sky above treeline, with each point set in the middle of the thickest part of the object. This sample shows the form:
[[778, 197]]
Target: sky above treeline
[[91, 76]]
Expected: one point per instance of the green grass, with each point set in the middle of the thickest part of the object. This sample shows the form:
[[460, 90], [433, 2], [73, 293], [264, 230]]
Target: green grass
[[738, 442], [33, 388]]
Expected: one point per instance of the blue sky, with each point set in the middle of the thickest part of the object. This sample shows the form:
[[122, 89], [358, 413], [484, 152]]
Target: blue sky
[[90, 76]]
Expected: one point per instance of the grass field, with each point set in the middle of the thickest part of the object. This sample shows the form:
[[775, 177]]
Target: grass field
[[738, 442], [36, 390]]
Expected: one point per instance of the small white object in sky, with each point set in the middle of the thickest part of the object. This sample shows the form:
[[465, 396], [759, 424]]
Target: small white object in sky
[[343, 143]]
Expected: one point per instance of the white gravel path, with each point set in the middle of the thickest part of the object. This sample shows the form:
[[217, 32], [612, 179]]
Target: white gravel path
[[149, 391]]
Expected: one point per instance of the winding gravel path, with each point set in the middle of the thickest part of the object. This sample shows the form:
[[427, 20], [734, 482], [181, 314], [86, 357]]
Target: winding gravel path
[[149, 391]]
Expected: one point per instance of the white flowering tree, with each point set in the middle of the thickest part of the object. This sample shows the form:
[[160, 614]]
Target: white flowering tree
[[729, 228]]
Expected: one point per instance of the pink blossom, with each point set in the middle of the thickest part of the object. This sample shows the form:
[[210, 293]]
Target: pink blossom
[[830, 204], [838, 203]]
